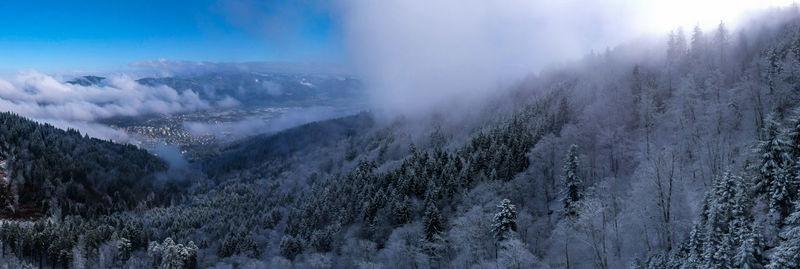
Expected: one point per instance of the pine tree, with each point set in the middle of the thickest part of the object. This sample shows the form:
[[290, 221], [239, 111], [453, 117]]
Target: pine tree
[[794, 138], [401, 211], [169, 255], [724, 237], [432, 222], [749, 255], [695, 248], [794, 154], [125, 249], [775, 182], [504, 223], [741, 222], [291, 246], [787, 254], [717, 252], [572, 182]]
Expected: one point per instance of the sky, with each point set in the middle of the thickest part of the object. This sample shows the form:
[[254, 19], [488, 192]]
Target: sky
[[95, 35], [101, 35]]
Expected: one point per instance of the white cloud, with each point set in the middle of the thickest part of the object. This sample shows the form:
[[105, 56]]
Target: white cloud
[[40, 96], [45, 98]]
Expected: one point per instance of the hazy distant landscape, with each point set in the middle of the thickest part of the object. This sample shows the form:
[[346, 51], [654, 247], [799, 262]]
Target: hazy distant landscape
[[400, 134], [271, 103]]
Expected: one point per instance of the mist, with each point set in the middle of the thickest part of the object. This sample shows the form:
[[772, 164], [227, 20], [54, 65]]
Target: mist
[[415, 55], [229, 131]]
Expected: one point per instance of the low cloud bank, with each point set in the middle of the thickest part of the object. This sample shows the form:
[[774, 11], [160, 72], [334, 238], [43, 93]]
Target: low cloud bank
[[50, 99], [40, 96], [250, 126]]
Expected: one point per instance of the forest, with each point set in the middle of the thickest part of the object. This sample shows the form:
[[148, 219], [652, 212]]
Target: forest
[[680, 152]]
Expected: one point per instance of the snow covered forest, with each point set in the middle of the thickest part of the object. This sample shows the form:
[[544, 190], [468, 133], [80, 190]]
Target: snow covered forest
[[680, 152]]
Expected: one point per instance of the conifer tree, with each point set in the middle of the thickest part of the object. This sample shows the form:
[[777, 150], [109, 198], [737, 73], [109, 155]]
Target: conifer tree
[[775, 183], [432, 222], [504, 223], [787, 254], [749, 255], [571, 182], [291, 246]]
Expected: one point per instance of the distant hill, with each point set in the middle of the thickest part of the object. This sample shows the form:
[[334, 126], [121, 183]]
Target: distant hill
[[54, 169], [265, 88], [262, 149], [86, 80]]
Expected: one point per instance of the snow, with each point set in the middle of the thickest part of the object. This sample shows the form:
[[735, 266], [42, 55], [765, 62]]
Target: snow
[[3, 173]]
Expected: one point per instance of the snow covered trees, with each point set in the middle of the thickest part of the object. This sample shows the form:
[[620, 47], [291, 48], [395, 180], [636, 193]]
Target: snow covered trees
[[776, 183], [504, 224], [787, 253], [432, 228], [725, 236], [169, 255], [571, 182], [238, 243], [291, 246]]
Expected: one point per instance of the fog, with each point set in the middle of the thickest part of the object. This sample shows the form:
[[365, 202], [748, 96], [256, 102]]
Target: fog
[[255, 125], [414, 55]]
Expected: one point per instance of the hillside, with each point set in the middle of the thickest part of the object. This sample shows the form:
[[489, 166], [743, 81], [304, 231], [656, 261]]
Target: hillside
[[50, 170]]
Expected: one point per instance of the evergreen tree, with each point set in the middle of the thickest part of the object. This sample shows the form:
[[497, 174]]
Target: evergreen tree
[[717, 252], [694, 258], [432, 222], [725, 236], [794, 153], [794, 139], [401, 211], [775, 182], [787, 254], [125, 248], [504, 223], [169, 255], [291, 246], [571, 182], [749, 255]]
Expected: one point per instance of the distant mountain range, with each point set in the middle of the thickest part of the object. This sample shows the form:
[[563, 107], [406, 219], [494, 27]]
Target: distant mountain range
[[254, 88]]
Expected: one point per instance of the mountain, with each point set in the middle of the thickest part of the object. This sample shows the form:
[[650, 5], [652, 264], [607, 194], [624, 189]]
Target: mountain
[[86, 81], [252, 88], [256, 88]]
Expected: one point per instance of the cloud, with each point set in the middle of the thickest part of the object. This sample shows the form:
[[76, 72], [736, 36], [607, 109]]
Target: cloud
[[40, 96], [94, 130], [47, 99], [259, 125], [273, 88]]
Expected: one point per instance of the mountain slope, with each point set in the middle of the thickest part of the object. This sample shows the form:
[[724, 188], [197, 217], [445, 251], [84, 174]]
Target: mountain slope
[[49, 168]]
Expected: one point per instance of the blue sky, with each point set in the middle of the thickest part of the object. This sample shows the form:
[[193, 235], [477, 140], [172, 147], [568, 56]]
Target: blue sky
[[68, 36]]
